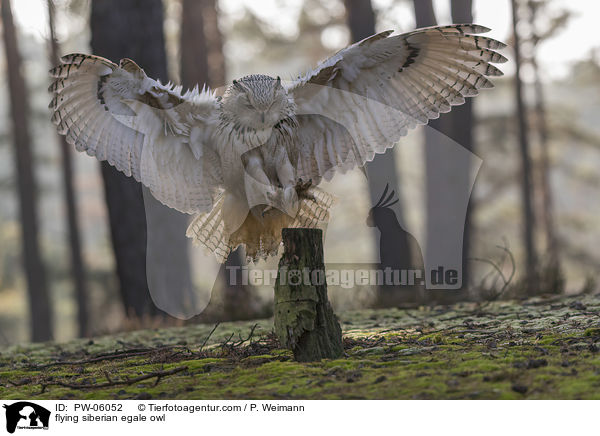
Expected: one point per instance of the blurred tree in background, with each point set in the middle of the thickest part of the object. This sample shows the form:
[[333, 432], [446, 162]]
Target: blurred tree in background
[[458, 126], [77, 266], [544, 205], [39, 301], [203, 63], [531, 264], [134, 29], [381, 172]]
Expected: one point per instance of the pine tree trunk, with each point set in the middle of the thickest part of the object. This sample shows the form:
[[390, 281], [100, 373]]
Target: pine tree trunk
[[77, 265], [381, 171], [134, 29], [546, 209], [202, 62], [214, 44], [38, 299], [526, 170], [304, 319], [447, 175], [193, 45], [434, 166], [462, 124]]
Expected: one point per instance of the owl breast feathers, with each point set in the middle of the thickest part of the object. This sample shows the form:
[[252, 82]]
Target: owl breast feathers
[[249, 164]]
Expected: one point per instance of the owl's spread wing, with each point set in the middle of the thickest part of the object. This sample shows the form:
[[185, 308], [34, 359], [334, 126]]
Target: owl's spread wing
[[141, 127], [364, 98]]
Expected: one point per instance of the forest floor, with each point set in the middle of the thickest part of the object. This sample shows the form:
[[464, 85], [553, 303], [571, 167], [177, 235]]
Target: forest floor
[[538, 348]]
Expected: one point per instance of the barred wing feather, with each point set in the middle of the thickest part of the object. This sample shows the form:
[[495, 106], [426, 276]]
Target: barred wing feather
[[374, 91], [144, 129]]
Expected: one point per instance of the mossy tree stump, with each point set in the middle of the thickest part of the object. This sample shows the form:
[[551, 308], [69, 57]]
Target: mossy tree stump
[[304, 319]]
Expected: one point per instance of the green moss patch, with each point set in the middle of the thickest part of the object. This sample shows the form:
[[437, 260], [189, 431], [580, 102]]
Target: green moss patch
[[543, 348]]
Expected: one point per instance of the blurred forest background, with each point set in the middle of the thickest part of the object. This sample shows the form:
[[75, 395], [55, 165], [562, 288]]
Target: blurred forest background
[[66, 272]]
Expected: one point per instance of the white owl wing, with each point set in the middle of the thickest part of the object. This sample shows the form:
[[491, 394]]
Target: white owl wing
[[364, 98], [141, 127]]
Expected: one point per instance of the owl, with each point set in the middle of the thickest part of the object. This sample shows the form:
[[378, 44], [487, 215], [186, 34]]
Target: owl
[[249, 162]]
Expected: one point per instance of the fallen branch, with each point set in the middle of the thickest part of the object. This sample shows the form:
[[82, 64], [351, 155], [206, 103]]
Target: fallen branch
[[208, 337], [110, 383], [226, 342], [100, 358], [241, 341], [506, 280]]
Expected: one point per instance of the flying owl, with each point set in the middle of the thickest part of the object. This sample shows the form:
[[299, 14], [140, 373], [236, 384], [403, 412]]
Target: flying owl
[[248, 163]]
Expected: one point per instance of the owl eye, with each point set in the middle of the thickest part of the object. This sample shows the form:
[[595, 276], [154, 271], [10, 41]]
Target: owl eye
[[249, 105]]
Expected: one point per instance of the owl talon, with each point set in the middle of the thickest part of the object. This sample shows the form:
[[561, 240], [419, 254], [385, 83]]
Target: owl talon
[[302, 188]]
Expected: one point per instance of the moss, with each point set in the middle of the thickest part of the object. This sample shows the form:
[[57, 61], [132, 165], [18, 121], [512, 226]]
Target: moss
[[441, 353], [436, 338], [594, 332]]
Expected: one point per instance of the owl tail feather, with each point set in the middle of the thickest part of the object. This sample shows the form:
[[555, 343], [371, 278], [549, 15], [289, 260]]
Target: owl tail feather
[[261, 236]]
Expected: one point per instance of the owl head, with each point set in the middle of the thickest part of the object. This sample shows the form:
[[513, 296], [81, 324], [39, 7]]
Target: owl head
[[257, 102]]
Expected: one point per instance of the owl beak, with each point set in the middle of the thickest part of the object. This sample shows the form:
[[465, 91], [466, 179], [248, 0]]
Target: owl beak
[[262, 117]]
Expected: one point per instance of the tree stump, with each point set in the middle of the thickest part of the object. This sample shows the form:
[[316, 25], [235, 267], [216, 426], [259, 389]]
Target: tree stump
[[304, 319]]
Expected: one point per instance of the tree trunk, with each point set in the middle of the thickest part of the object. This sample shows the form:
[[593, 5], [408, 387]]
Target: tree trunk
[[424, 13], [304, 320], [546, 211], [214, 43], [202, 62], [193, 45], [134, 29], [77, 265], [447, 177], [528, 217], [462, 123], [382, 170], [39, 302]]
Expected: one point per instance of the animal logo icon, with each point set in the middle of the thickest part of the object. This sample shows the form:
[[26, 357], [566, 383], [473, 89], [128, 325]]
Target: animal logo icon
[[26, 415], [398, 250]]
